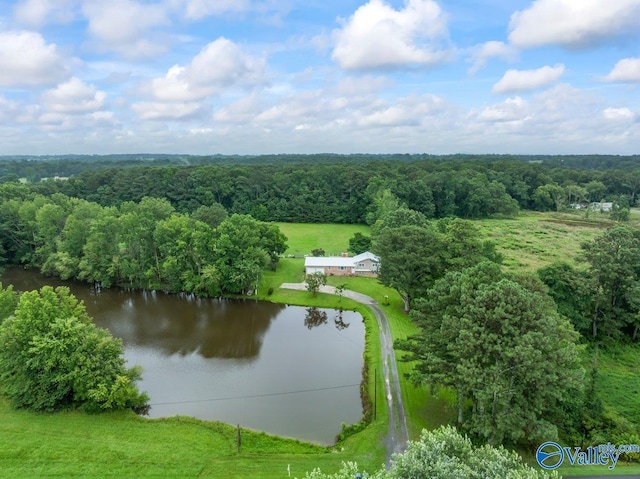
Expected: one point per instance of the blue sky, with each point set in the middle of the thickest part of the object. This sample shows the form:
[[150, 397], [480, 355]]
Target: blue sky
[[285, 76]]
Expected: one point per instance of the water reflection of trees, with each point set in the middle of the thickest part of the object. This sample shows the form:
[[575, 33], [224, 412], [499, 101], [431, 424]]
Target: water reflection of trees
[[317, 317], [339, 321], [213, 328]]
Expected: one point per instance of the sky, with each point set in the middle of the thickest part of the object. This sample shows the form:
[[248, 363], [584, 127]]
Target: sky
[[319, 76]]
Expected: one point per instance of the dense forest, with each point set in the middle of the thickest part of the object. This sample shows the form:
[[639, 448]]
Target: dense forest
[[341, 189]]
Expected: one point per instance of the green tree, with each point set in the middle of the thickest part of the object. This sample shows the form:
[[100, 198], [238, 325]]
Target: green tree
[[401, 216], [240, 253], [212, 215], [595, 190], [614, 265], [571, 289], [445, 454], [315, 281], [8, 301], [413, 257], [103, 250], [359, 243], [549, 196], [384, 202], [503, 348], [53, 357]]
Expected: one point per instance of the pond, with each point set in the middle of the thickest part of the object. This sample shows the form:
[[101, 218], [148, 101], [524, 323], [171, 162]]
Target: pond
[[285, 370]]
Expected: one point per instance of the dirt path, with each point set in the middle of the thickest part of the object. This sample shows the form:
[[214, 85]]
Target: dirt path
[[397, 437]]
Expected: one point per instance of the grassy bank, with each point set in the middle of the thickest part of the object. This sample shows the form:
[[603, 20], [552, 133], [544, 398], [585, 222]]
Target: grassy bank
[[126, 446]]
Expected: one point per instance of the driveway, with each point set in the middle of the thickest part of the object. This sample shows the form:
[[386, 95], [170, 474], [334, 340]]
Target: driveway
[[397, 437]]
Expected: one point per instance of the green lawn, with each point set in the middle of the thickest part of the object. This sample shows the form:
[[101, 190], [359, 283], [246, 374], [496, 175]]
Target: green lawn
[[124, 445], [333, 238]]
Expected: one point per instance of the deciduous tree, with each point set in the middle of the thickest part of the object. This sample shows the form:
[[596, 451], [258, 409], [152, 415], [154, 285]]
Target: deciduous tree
[[446, 454], [315, 281], [53, 357]]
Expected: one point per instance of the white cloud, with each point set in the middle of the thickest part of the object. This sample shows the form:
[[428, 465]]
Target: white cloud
[[124, 26], [36, 13], [573, 23], [626, 70], [404, 112], [26, 60], [512, 109], [240, 111], [378, 37], [166, 111], [526, 80], [221, 64], [73, 97], [9, 110], [482, 53], [618, 114], [196, 9]]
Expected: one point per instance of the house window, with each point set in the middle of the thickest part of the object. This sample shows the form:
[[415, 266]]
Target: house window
[[361, 265], [341, 268]]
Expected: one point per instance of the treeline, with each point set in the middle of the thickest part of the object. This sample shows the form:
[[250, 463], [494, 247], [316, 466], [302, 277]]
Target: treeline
[[346, 193], [33, 168], [145, 244]]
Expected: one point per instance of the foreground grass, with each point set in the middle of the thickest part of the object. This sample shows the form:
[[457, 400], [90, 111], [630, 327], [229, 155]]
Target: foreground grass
[[123, 445]]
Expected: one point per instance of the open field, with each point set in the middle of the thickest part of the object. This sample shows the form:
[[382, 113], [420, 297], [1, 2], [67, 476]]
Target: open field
[[534, 239], [124, 445], [334, 239]]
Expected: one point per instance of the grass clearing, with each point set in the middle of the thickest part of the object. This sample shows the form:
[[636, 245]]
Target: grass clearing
[[332, 238], [534, 240]]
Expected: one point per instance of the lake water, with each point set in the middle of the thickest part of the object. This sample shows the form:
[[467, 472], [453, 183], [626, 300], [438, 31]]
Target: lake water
[[285, 370]]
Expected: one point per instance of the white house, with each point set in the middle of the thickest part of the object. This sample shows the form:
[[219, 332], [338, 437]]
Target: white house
[[364, 264]]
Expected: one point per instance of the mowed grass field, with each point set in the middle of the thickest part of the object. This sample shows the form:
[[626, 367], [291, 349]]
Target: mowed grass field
[[333, 238], [124, 445]]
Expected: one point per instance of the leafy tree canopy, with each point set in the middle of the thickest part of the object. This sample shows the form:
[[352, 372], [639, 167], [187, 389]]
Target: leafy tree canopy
[[8, 301], [53, 357], [414, 256], [499, 342], [445, 454], [359, 243]]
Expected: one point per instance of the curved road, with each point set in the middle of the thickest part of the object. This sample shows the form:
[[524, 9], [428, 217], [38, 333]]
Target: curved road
[[397, 437]]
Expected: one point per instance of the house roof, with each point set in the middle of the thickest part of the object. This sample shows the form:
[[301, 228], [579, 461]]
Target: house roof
[[328, 261], [366, 255]]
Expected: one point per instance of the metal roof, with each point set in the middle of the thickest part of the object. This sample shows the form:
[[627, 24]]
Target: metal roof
[[328, 261]]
